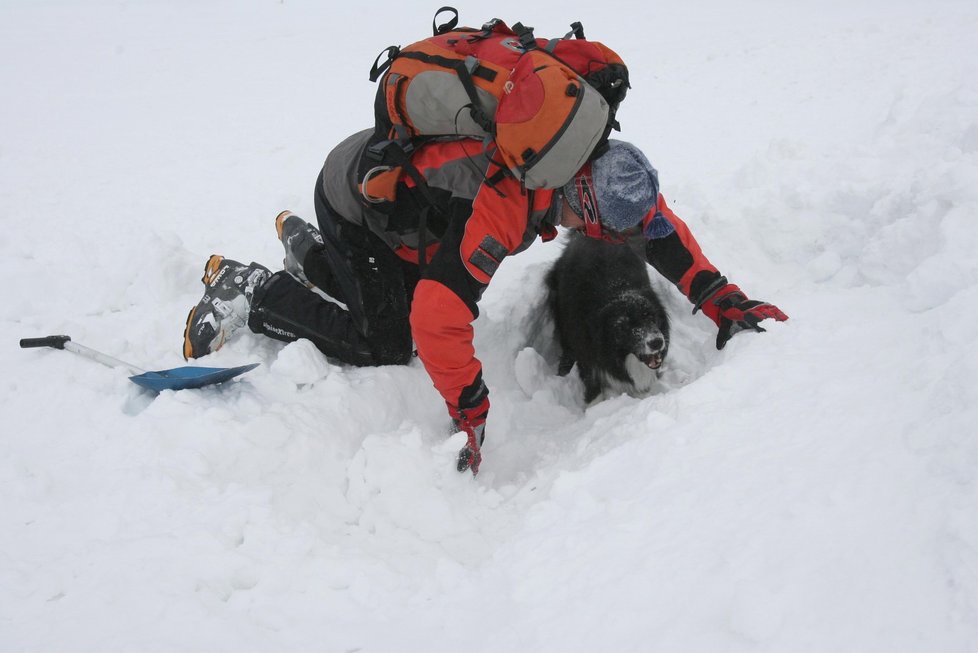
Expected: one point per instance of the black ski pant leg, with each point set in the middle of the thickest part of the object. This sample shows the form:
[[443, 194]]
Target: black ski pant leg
[[360, 270], [357, 268], [331, 267], [381, 294], [284, 309]]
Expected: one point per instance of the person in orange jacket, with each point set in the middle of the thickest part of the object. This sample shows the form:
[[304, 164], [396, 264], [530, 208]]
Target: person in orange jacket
[[409, 271]]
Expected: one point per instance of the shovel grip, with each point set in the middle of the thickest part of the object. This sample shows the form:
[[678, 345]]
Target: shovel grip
[[56, 342]]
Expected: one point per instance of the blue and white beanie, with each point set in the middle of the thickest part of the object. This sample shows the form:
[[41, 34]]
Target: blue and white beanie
[[626, 186]]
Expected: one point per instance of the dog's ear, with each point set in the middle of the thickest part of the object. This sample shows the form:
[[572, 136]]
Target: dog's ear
[[609, 329]]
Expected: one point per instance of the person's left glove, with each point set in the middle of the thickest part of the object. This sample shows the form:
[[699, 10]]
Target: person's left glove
[[473, 422], [732, 312]]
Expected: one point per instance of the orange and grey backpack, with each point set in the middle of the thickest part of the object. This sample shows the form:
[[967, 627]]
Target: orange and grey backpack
[[547, 105]]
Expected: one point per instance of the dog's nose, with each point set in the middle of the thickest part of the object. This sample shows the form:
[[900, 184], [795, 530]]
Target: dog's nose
[[655, 344]]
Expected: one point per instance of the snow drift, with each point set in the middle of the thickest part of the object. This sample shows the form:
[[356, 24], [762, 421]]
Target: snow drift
[[808, 489]]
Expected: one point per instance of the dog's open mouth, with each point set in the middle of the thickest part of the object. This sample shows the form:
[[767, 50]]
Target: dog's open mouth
[[653, 361]]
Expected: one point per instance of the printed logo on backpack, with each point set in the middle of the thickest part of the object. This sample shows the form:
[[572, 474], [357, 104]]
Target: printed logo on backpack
[[548, 122]]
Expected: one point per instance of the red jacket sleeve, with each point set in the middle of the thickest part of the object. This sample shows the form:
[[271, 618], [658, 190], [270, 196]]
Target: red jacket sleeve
[[441, 324], [444, 304], [673, 251]]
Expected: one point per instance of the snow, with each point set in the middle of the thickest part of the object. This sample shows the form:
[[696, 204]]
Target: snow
[[812, 488]]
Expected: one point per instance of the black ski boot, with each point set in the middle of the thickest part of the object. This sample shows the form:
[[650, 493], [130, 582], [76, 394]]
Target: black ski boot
[[298, 237], [228, 289]]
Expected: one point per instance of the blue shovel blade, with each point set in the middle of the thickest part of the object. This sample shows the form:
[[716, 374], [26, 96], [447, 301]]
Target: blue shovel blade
[[181, 378]]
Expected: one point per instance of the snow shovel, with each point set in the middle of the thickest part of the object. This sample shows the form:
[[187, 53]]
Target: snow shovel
[[178, 378]]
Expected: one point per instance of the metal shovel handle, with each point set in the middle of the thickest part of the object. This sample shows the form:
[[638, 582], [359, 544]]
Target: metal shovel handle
[[65, 342], [177, 378], [56, 342]]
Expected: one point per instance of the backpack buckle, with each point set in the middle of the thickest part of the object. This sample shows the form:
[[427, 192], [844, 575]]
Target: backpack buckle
[[384, 152], [525, 35]]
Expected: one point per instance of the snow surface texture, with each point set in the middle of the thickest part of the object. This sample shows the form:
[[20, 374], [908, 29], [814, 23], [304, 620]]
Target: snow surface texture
[[808, 489]]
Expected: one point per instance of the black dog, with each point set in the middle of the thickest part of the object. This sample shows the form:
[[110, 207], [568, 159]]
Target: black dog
[[608, 319]]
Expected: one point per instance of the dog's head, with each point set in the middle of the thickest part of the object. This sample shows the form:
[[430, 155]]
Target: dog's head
[[633, 325]]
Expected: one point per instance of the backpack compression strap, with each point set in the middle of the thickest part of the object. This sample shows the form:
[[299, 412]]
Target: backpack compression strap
[[466, 69], [397, 154]]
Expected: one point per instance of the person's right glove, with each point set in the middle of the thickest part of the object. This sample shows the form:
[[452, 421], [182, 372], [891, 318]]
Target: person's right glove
[[473, 422], [732, 312]]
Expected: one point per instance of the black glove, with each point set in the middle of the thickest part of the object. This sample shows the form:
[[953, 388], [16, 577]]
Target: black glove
[[473, 422], [732, 312]]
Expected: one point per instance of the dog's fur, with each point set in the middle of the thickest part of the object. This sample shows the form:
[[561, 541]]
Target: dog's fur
[[608, 318]]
